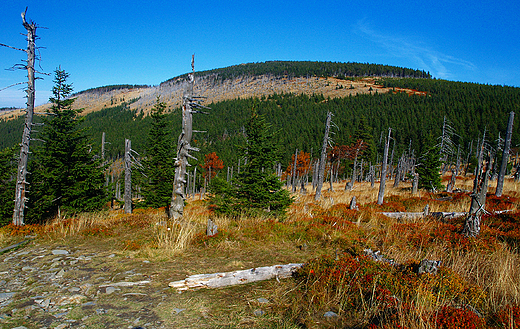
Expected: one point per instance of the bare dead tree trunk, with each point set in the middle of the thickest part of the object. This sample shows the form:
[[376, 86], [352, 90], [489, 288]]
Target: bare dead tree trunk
[[21, 179], [350, 186], [505, 155], [415, 183], [478, 197], [294, 171], [128, 177], [478, 202], [321, 169], [372, 174], [384, 166], [190, 105]]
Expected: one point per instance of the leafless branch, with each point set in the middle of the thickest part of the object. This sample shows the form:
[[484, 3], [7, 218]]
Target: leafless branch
[[15, 84], [3, 45]]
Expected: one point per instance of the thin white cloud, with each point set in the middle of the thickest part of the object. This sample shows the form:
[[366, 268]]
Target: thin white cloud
[[415, 51]]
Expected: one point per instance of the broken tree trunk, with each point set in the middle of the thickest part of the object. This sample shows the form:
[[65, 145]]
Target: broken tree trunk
[[381, 195], [219, 280], [350, 186], [505, 155], [128, 177], [190, 105], [294, 171], [478, 200], [21, 176], [323, 159]]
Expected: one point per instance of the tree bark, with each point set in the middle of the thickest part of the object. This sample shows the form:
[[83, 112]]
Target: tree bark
[[381, 194], [294, 171], [323, 159], [219, 280], [128, 177], [505, 155], [478, 197], [190, 105], [21, 176]]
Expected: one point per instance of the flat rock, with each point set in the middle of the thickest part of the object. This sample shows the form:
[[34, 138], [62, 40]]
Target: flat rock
[[6, 295], [60, 252], [258, 312], [178, 310]]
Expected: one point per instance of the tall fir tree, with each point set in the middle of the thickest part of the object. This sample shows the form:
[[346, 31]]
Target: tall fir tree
[[364, 132], [257, 190], [159, 162], [429, 166], [67, 176], [7, 184]]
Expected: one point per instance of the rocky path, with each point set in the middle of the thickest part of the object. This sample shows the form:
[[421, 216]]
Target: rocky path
[[74, 288], [47, 285]]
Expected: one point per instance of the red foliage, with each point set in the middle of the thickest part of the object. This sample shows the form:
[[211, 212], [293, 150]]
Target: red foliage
[[212, 164], [509, 317], [303, 164], [29, 229], [340, 152], [450, 318]]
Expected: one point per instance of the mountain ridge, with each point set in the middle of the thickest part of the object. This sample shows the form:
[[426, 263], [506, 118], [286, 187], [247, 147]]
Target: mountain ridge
[[332, 79]]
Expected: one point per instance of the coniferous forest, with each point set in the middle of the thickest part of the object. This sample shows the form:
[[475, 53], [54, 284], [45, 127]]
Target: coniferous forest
[[471, 109]]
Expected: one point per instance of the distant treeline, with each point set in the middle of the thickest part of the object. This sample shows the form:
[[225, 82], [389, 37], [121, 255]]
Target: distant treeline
[[105, 89], [309, 69]]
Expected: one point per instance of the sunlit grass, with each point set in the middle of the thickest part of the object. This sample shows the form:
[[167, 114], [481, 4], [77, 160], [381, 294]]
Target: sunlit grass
[[480, 274]]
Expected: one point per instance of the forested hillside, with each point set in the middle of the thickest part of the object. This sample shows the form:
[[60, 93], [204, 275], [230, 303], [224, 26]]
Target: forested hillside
[[308, 69], [299, 117]]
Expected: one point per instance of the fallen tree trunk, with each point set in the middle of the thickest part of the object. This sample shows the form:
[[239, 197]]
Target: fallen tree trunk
[[218, 280], [438, 214], [402, 215]]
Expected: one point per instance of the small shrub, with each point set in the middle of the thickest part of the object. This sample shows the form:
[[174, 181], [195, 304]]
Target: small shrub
[[453, 318]]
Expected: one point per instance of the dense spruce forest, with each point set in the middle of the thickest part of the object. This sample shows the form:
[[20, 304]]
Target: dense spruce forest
[[293, 69], [299, 119]]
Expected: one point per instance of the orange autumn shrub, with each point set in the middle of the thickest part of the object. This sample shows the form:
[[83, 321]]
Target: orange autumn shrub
[[375, 291], [457, 318]]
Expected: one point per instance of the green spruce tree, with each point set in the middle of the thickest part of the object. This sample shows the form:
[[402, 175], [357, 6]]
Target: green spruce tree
[[7, 185], [256, 190], [364, 132], [429, 166], [159, 162], [66, 174]]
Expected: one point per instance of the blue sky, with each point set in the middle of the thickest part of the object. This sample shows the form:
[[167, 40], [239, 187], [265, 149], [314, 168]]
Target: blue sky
[[147, 42]]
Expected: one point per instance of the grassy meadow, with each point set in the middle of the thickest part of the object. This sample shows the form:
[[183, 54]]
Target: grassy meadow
[[476, 286]]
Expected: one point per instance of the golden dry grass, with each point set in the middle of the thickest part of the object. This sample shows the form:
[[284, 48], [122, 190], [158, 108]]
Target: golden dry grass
[[312, 229]]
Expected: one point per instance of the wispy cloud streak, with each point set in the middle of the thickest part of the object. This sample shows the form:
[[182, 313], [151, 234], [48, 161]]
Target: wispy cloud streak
[[416, 52]]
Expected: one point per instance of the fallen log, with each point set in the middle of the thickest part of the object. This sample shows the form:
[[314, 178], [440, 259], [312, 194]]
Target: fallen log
[[437, 214], [412, 215], [224, 279]]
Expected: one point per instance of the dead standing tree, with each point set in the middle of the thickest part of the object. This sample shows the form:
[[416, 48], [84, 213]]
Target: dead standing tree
[[505, 155], [21, 179], [130, 161], [323, 159], [384, 167], [478, 197], [190, 105]]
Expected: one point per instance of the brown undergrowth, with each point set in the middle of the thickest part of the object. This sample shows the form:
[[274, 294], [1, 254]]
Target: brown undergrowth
[[477, 285]]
